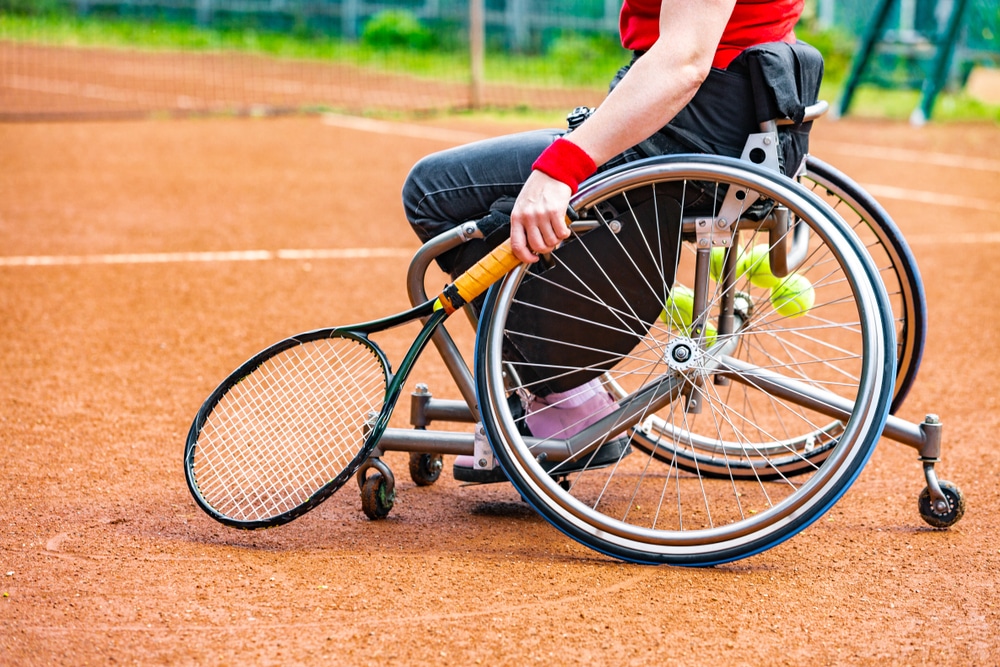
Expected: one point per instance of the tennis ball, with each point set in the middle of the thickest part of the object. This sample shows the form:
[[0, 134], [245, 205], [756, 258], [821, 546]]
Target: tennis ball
[[679, 309], [679, 314], [757, 266], [793, 296], [718, 262], [711, 333]]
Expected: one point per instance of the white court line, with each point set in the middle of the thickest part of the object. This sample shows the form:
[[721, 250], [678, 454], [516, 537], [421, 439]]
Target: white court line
[[912, 156], [934, 198], [986, 238], [95, 91], [193, 257], [878, 191], [970, 238], [841, 148], [402, 129]]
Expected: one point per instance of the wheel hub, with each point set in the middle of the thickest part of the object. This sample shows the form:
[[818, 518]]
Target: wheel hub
[[682, 353]]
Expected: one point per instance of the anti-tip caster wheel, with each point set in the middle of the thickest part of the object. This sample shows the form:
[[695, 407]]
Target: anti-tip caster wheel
[[949, 517], [377, 497], [425, 468]]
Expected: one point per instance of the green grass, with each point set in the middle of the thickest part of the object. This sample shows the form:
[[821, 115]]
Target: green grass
[[164, 36], [571, 62]]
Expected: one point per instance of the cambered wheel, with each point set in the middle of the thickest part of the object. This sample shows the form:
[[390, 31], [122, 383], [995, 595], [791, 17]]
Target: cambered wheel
[[892, 256], [719, 414], [898, 271]]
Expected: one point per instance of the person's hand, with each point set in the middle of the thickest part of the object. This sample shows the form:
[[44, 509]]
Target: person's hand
[[538, 221]]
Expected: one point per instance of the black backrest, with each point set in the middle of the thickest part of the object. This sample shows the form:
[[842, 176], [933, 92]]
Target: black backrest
[[785, 78]]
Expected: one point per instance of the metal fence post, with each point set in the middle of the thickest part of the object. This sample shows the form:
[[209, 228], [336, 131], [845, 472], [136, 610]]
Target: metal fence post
[[942, 61], [203, 12], [349, 19], [477, 51], [517, 24], [610, 15], [874, 30]]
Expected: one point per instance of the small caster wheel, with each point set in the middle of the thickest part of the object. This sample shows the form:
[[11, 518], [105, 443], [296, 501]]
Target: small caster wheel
[[425, 468], [376, 501], [950, 516]]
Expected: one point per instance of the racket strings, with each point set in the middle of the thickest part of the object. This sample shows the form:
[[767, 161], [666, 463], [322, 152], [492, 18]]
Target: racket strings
[[293, 424]]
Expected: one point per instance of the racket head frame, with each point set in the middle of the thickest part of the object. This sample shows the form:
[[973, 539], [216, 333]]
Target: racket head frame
[[242, 372]]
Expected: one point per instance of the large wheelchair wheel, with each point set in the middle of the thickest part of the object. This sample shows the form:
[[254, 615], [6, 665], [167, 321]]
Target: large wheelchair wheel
[[724, 398], [891, 254]]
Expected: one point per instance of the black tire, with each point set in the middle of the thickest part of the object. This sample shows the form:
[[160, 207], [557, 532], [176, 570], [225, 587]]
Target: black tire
[[376, 499], [425, 469], [956, 506]]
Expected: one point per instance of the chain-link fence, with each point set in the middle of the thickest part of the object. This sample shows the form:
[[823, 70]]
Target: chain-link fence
[[71, 58]]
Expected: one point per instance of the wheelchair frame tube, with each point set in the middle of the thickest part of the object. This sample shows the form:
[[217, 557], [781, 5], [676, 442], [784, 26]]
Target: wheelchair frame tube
[[924, 437], [443, 341]]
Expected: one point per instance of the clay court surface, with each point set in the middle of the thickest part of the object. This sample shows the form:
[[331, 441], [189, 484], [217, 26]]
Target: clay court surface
[[113, 336]]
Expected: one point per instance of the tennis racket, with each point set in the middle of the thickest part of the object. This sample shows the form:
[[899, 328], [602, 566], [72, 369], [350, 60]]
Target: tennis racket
[[287, 428]]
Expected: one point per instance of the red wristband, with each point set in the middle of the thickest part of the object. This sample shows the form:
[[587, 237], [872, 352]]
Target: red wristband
[[565, 161]]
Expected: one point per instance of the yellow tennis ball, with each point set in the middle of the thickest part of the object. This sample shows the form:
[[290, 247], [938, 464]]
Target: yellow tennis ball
[[793, 296], [757, 266], [679, 308], [718, 262], [679, 314], [710, 334]]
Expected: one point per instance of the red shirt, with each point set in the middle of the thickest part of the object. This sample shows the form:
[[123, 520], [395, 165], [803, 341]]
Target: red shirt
[[753, 22]]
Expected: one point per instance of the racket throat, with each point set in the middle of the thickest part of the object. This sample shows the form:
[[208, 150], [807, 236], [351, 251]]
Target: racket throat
[[376, 423]]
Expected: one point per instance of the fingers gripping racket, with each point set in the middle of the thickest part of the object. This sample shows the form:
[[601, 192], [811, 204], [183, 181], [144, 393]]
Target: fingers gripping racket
[[287, 428]]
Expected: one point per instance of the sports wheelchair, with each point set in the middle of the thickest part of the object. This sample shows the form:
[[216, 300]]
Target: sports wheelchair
[[749, 406]]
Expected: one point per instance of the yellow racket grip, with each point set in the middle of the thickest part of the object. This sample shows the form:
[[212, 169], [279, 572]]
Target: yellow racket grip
[[479, 277]]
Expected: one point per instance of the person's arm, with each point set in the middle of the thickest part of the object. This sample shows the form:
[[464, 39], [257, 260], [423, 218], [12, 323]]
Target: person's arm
[[651, 93]]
